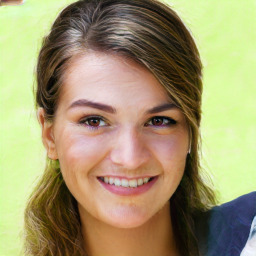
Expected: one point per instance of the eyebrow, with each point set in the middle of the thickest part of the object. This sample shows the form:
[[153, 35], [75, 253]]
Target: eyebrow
[[161, 108], [112, 110], [91, 104]]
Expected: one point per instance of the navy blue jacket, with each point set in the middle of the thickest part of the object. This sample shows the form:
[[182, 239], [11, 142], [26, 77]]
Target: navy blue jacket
[[224, 230]]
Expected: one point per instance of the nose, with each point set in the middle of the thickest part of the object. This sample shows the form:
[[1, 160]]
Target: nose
[[129, 150]]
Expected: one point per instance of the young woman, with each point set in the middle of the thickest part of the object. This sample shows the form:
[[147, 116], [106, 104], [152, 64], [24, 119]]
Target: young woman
[[119, 102]]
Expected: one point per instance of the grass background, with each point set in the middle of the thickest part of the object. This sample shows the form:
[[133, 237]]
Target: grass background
[[226, 35]]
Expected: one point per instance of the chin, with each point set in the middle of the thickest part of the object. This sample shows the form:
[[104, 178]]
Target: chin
[[127, 218], [128, 223]]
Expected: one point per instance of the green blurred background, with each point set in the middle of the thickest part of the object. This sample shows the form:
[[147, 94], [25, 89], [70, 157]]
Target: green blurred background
[[225, 31]]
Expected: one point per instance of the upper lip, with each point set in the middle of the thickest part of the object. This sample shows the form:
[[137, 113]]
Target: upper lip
[[127, 177]]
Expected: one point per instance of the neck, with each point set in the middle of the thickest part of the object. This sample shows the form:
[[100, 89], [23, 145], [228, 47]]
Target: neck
[[155, 237]]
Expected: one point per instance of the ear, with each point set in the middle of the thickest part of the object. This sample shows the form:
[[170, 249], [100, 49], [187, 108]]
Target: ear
[[47, 134]]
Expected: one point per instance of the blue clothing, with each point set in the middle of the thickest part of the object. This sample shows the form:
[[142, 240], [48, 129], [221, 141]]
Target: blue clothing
[[224, 230]]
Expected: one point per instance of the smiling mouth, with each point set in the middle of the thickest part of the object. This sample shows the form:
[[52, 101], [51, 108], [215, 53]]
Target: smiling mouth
[[122, 182]]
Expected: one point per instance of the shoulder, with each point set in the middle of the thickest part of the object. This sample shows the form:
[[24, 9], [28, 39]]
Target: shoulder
[[238, 212], [227, 227], [241, 207]]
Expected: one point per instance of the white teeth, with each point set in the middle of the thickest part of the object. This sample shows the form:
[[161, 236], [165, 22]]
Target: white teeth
[[140, 182], [124, 182], [145, 180], [133, 183], [117, 182]]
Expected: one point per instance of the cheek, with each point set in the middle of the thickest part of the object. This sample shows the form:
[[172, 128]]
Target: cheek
[[171, 151], [79, 152], [172, 155]]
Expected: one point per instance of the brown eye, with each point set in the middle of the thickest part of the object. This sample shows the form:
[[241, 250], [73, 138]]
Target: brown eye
[[93, 122], [157, 121], [161, 121]]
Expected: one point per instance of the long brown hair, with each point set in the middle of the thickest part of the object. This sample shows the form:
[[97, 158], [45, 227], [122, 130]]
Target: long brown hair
[[152, 34]]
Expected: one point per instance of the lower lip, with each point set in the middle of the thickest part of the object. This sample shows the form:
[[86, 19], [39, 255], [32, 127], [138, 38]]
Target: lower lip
[[122, 191]]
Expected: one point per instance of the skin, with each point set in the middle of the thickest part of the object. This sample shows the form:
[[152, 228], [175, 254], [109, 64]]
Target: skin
[[129, 143]]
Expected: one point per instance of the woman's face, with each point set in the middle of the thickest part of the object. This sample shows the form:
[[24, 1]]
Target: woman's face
[[120, 141]]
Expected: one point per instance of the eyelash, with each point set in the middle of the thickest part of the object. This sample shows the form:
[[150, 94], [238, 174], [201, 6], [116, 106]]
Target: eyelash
[[167, 123]]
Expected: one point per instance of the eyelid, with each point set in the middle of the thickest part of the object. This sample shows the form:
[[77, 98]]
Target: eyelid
[[84, 119]]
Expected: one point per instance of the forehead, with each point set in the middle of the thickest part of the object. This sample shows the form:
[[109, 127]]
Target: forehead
[[110, 78]]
